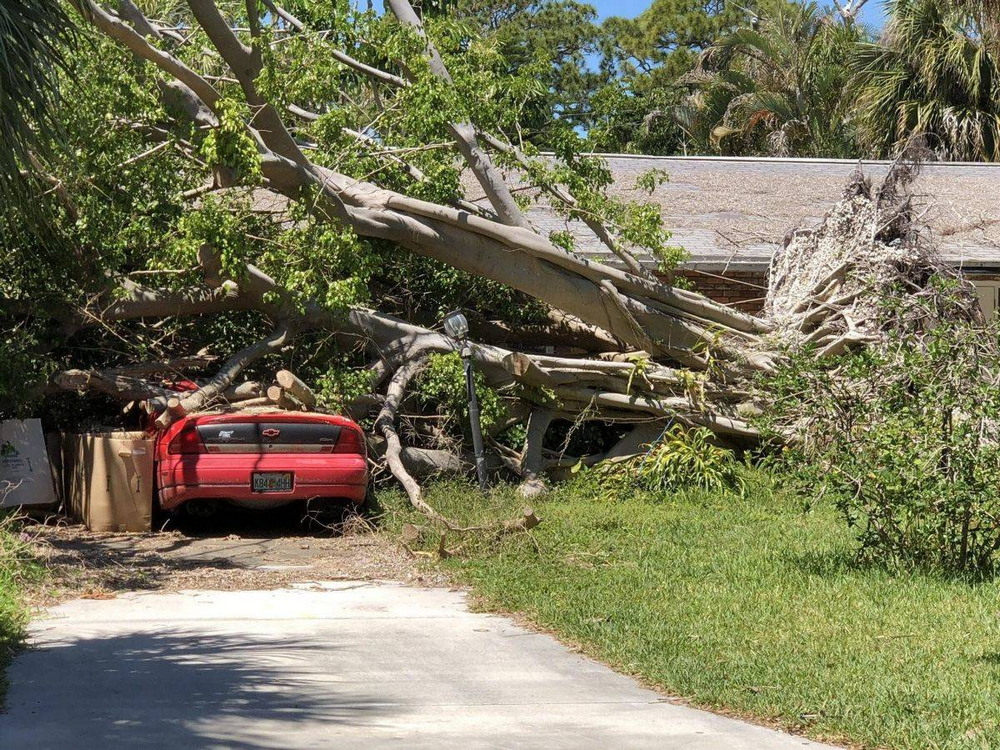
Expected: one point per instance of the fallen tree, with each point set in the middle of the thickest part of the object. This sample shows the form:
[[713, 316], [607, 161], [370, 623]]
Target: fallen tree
[[645, 352]]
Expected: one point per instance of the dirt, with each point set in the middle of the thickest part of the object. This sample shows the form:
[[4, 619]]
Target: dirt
[[237, 551]]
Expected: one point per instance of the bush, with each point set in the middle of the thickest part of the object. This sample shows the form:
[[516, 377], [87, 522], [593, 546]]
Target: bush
[[682, 458], [441, 386], [17, 569], [905, 438]]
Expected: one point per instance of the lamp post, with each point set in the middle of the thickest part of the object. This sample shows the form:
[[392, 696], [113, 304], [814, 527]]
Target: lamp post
[[457, 327]]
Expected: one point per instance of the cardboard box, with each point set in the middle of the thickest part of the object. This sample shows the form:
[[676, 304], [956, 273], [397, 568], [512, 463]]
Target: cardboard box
[[25, 472], [109, 480]]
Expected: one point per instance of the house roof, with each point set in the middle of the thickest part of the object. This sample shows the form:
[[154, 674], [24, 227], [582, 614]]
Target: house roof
[[732, 213]]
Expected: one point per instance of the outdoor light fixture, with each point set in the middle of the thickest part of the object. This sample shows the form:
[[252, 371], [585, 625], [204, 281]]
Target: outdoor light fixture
[[457, 327]]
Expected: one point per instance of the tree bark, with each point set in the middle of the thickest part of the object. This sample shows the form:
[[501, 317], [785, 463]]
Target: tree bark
[[198, 400], [479, 161], [296, 388]]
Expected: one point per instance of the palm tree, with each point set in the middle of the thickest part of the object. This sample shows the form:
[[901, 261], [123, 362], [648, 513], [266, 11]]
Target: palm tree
[[33, 34], [934, 73], [775, 88]]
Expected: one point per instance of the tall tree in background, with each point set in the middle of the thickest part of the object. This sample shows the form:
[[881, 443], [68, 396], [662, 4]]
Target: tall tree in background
[[548, 41], [777, 87], [645, 57], [934, 73]]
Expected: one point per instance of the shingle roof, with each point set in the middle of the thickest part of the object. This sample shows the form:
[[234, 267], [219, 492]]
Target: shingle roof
[[733, 212]]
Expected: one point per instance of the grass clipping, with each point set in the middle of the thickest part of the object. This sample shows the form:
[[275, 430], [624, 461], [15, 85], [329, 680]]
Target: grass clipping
[[866, 272]]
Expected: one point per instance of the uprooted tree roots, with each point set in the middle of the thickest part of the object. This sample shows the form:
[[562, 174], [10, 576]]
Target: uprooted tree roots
[[865, 272]]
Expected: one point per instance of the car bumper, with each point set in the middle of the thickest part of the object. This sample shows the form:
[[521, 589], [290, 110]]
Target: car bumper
[[208, 477]]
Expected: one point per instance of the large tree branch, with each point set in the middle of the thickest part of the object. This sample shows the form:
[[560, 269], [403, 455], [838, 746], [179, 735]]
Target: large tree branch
[[198, 400], [611, 386], [479, 161], [386, 424], [125, 387], [155, 303], [674, 319], [246, 64], [120, 31], [439, 230]]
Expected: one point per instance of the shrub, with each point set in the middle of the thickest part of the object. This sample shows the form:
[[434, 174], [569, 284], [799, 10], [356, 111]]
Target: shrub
[[905, 437], [682, 458], [17, 568], [441, 386]]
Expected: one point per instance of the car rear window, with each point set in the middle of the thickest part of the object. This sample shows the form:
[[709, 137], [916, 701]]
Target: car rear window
[[269, 437]]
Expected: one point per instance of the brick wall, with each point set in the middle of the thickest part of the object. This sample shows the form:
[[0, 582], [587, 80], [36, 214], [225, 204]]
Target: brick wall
[[743, 290]]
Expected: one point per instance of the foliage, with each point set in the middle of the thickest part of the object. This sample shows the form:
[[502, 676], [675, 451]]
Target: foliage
[[789, 78], [441, 386], [338, 387], [681, 458], [229, 145], [548, 39], [21, 369], [666, 38], [17, 569], [905, 439], [745, 604], [115, 203], [934, 72], [635, 117], [776, 88], [688, 457], [34, 36], [643, 59]]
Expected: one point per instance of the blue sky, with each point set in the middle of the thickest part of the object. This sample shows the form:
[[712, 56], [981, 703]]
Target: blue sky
[[871, 14]]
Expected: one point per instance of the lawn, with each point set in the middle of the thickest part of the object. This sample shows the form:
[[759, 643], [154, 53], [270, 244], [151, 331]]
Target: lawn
[[750, 605], [16, 568]]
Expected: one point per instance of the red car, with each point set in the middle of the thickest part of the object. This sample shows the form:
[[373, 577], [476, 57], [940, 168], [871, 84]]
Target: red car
[[261, 460]]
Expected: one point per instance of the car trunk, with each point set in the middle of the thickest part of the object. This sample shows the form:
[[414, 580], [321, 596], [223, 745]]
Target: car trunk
[[269, 437]]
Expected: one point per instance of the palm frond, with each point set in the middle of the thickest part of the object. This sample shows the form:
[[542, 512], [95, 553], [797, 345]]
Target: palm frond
[[33, 39], [777, 88], [933, 73]]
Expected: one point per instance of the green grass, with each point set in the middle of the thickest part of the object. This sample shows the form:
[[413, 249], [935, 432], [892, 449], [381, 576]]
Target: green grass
[[749, 605], [16, 569]]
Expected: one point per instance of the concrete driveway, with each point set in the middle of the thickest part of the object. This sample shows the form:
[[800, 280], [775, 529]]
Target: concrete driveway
[[336, 664]]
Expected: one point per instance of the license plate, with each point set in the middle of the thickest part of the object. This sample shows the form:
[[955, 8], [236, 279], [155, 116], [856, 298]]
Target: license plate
[[271, 481]]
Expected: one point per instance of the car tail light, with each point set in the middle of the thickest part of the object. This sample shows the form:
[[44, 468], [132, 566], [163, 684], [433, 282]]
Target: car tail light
[[350, 441], [187, 441]]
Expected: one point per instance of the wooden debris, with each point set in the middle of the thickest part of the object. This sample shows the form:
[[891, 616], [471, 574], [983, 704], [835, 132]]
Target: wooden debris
[[296, 388]]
